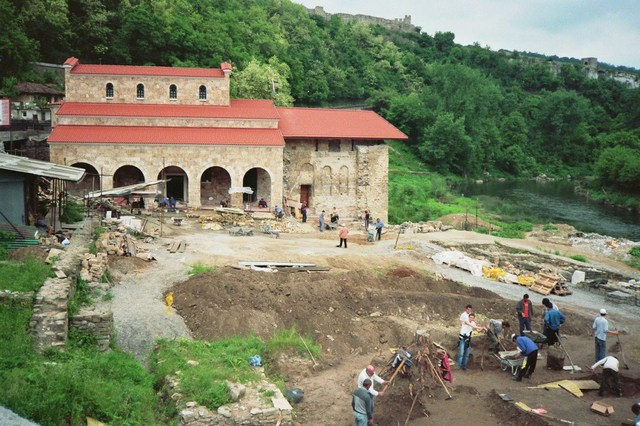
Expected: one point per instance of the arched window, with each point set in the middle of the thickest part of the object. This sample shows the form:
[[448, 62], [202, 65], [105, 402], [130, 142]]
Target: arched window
[[109, 90], [140, 91], [202, 95], [173, 92]]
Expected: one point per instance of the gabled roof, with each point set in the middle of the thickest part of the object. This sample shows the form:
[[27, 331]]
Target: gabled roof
[[153, 135], [333, 123], [78, 68], [239, 108], [37, 89], [40, 168]]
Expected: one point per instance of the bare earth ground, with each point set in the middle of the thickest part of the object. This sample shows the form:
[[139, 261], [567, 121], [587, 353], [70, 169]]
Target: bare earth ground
[[373, 298]]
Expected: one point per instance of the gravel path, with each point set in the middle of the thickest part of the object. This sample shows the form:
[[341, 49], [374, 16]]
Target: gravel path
[[140, 313], [9, 418]]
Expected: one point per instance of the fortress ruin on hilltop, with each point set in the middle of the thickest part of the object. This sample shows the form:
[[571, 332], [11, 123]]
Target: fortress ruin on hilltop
[[398, 24]]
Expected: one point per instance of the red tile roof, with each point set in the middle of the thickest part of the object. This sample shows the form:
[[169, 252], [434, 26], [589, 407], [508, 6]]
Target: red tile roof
[[333, 123], [239, 108], [166, 135], [78, 68]]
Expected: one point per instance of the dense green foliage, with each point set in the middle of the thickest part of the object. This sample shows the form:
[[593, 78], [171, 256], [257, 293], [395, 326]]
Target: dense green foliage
[[73, 212], [65, 388], [467, 110]]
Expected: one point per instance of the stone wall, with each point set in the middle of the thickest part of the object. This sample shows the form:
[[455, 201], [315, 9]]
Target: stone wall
[[353, 177], [50, 320], [96, 323], [92, 88], [194, 160], [398, 24]]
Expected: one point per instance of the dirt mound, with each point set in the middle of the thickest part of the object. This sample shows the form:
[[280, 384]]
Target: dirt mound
[[465, 221], [120, 266], [345, 312]]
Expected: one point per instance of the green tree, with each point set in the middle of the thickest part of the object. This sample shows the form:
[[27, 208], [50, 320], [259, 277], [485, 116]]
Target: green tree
[[446, 145], [16, 48], [263, 81]]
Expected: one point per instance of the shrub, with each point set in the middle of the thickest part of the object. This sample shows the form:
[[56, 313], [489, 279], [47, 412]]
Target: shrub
[[73, 212], [549, 227], [579, 258], [635, 252], [200, 268]]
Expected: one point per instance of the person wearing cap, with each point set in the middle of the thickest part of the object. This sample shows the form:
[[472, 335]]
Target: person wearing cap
[[524, 309], [599, 331], [529, 349], [370, 373], [362, 404], [610, 378]]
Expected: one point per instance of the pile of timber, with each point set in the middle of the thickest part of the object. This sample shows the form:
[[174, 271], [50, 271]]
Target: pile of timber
[[177, 246]]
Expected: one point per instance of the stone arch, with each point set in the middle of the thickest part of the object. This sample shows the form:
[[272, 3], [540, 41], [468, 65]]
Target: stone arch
[[127, 175], [343, 180], [326, 182], [306, 174], [177, 185], [214, 186], [90, 181], [259, 180]]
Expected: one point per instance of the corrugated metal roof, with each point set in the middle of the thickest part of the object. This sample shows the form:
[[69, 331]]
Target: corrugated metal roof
[[40, 168]]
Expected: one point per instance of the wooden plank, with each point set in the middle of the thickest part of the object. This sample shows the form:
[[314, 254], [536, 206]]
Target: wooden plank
[[174, 246], [182, 246]]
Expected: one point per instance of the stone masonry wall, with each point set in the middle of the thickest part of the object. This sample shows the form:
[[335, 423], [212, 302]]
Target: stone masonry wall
[[92, 88], [193, 159], [96, 323], [352, 179]]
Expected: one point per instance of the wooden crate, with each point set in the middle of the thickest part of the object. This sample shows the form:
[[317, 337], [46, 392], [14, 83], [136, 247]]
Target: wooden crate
[[544, 284]]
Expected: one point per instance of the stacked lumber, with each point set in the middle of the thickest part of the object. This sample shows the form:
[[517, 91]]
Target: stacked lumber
[[177, 246], [544, 283]]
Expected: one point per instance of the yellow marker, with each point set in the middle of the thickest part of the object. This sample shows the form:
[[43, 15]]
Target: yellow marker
[[169, 300]]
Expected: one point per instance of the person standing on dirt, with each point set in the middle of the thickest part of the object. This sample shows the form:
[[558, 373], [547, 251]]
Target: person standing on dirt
[[553, 319], [610, 378], [303, 210], [369, 373], [366, 219], [379, 226], [362, 404], [464, 339], [635, 408], [529, 349], [524, 309], [495, 332], [599, 330], [344, 232], [321, 220]]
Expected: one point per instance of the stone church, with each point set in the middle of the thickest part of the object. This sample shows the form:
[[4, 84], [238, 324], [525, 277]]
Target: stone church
[[130, 124]]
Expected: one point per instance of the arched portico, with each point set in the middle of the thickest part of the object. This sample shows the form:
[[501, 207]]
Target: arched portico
[[259, 180], [178, 183], [90, 181], [127, 175], [214, 186]]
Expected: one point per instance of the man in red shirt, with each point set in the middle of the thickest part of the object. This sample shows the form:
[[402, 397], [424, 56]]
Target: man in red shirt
[[343, 236], [524, 309]]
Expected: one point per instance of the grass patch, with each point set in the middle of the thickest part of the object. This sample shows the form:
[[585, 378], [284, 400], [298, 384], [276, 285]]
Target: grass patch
[[579, 258], [635, 252], [549, 227], [218, 361], [200, 268], [27, 275], [82, 297]]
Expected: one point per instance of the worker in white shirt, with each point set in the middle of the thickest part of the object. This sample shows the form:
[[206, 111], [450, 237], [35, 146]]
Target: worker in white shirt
[[610, 376], [370, 373]]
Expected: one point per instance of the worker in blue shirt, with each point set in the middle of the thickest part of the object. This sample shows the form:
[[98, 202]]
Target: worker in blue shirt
[[553, 319], [529, 349]]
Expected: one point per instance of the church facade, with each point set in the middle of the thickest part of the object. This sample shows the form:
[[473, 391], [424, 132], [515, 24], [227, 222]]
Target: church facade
[[130, 124]]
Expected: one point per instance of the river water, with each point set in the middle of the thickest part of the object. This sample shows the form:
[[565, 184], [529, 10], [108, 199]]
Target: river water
[[556, 202]]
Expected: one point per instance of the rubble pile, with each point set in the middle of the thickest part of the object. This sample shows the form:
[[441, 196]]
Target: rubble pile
[[602, 244], [424, 227], [93, 267]]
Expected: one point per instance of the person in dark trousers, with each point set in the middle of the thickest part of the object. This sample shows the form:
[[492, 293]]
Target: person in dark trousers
[[366, 219], [529, 349], [379, 226], [303, 210], [524, 309], [553, 319], [599, 330], [321, 221], [362, 404], [610, 378], [344, 232]]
